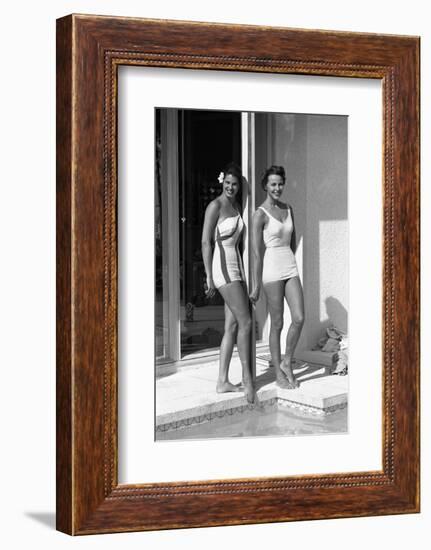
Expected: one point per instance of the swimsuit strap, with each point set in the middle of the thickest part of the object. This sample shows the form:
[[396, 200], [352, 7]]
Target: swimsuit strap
[[276, 219]]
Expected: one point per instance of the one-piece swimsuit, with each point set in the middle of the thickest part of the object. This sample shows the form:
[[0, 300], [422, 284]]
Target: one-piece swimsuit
[[227, 265], [279, 260]]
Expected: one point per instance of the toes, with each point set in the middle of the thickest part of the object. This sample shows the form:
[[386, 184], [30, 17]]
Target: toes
[[249, 394]]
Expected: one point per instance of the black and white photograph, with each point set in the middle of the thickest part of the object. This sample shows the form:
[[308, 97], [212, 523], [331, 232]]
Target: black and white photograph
[[215, 275], [251, 244]]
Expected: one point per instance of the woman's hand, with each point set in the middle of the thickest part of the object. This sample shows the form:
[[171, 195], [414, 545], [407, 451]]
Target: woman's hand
[[210, 288], [254, 295]]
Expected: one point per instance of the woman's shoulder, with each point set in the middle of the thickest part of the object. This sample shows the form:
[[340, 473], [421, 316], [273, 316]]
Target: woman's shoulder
[[260, 213], [214, 206]]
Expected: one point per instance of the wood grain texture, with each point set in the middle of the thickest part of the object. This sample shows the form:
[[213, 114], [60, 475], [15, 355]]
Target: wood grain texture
[[64, 497], [90, 49]]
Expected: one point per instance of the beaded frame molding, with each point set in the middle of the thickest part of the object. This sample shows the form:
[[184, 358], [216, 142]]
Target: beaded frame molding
[[89, 51]]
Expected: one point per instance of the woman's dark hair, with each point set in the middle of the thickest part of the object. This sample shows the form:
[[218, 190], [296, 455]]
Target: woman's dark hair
[[233, 169], [272, 171]]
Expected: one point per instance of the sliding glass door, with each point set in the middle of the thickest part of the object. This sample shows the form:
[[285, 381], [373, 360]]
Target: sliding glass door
[[192, 148], [208, 141]]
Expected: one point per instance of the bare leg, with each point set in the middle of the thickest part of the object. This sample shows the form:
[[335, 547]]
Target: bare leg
[[236, 299], [226, 349], [275, 296], [295, 301]]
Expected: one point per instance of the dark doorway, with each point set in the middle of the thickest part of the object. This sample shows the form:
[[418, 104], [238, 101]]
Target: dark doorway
[[209, 140]]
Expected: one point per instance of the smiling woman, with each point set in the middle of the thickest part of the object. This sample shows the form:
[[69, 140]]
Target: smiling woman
[[273, 229], [223, 226], [191, 148], [210, 296]]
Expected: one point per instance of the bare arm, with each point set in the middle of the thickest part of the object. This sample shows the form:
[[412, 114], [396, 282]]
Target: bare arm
[[293, 237], [257, 244], [210, 221]]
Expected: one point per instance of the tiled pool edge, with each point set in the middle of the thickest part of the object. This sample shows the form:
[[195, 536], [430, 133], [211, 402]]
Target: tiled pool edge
[[189, 417]]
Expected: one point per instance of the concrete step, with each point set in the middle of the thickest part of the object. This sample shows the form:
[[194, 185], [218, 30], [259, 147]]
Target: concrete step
[[188, 395]]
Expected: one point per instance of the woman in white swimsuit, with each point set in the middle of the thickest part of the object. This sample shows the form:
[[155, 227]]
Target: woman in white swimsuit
[[223, 226], [276, 271]]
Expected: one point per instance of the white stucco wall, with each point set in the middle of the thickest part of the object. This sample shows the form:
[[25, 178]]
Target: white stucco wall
[[326, 260], [313, 150]]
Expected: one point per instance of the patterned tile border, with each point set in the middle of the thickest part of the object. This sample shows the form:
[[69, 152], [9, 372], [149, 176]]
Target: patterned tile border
[[283, 403]]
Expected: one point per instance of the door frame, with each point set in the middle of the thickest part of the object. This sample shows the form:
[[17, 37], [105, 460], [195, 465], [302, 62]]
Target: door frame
[[169, 124]]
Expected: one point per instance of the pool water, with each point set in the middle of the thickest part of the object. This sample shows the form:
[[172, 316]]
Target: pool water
[[263, 421]]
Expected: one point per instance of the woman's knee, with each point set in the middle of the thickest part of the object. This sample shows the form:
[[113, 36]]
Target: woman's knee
[[231, 326], [244, 324], [298, 318], [277, 322]]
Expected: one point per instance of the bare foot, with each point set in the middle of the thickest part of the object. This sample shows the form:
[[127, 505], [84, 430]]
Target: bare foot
[[283, 382], [225, 387], [249, 391], [287, 370]]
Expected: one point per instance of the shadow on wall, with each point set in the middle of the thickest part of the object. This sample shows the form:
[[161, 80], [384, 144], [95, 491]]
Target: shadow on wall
[[313, 149], [335, 315], [326, 235]]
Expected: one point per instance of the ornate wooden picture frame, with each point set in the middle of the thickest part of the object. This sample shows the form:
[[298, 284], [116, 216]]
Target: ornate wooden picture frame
[[89, 51]]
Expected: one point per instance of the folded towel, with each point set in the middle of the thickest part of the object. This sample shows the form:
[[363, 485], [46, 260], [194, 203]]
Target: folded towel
[[340, 363], [332, 344]]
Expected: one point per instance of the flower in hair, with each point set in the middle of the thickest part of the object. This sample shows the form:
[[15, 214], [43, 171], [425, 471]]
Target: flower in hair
[[221, 177]]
